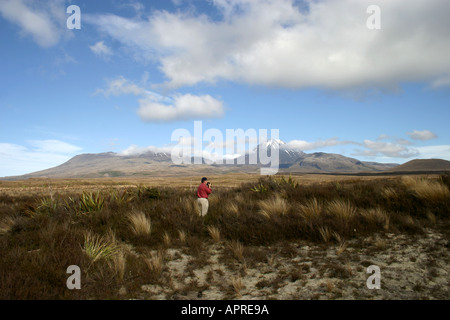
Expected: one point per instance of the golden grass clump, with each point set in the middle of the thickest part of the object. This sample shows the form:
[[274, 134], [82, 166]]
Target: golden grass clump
[[118, 263], [341, 248], [139, 224], [376, 216], [166, 239], [341, 209], [155, 262], [6, 224], [408, 181], [239, 198], [189, 206], [233, 208], [237, 249], [182, 236], [214, 200], [311, 209], [431, 190], [214, 232], [389, 193], [273, 206], [325, 233], [236, 283]]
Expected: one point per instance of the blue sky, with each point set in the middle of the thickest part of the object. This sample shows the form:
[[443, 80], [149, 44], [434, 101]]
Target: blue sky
[[138, 70]]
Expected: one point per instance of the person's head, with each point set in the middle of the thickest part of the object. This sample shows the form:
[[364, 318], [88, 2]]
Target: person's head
[[204, 180]]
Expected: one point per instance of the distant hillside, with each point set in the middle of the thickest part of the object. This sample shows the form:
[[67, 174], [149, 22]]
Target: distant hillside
[[151, 164], [292, 160], [321, 162], [423, 165]]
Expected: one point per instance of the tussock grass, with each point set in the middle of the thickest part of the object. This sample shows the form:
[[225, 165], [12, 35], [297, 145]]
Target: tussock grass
[[237, 285], [237, 249], [275, 206], [118, 264], [389, 193], [155, 262], [431, 190], [341, 248], [57, 229], [376, 216], [98, 247], [239, 198], [426, 189], [325, 233], [342, 209], [409, 182], [337, 237], [215, 199], [189, 206], [182, 236], [233, 208], [6, 224], [139, 224], [166, 239], [311, 209], [214, 232]]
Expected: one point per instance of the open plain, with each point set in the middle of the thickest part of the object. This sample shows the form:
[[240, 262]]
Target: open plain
[[280, 237]]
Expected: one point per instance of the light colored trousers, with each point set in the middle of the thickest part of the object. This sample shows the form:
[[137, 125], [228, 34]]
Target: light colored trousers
[[203, 205]]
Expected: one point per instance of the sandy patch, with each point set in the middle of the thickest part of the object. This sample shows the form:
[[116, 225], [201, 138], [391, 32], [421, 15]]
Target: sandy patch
[[411, 267]]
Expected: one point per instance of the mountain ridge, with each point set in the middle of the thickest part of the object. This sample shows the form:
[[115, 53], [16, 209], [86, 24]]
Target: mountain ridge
[[153, 163], [423, 165]]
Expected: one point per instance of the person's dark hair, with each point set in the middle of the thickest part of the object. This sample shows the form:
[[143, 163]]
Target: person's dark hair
[[204, 179]]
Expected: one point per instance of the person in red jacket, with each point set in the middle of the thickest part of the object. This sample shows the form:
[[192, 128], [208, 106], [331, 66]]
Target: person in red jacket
[[203, 190]]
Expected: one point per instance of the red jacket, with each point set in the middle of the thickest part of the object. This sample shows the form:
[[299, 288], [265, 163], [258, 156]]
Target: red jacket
[[203, 191]]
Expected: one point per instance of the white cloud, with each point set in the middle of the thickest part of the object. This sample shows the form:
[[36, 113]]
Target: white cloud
[[421, 135], [120, 86], [100, 49], [403, 141], [54, 147], [383, 137], [386, 149], [276, 43], [42, 20], [184, 107], [135, 5], [154, 107], [136, 150], [43, 154], [305, 145], [434, 152], [440, 83]]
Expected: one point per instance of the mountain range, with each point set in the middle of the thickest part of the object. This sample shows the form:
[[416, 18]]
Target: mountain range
[[291, 160], [153, 163]]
